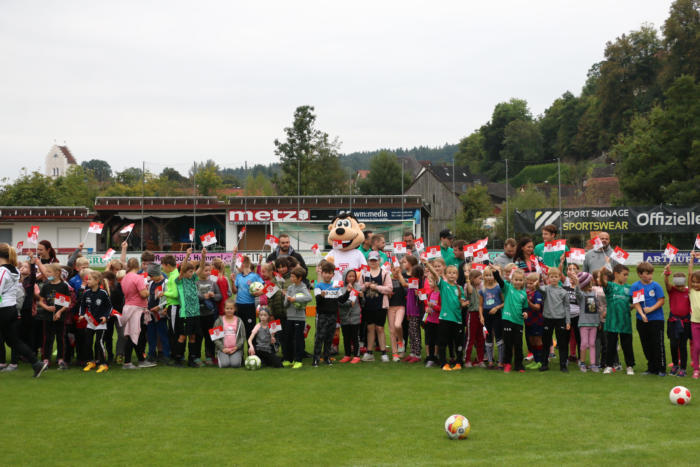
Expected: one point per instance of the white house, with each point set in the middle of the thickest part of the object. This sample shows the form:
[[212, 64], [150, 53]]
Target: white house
[[58, 160]]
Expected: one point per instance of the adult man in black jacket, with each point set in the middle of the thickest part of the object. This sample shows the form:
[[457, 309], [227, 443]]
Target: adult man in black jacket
[[285, 249]]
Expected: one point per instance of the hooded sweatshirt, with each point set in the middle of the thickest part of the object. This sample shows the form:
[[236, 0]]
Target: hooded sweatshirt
[[556, 303], [350, 313], [9, 282], [294, 313]]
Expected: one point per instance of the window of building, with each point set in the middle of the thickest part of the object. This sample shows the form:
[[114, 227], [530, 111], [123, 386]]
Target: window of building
[[6, 236]]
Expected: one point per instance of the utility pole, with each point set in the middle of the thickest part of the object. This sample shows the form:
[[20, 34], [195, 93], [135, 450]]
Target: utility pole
[[143, 194], [507, 211]]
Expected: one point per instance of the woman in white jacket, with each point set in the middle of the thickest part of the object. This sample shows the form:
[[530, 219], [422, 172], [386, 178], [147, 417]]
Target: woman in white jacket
[[9, 314]]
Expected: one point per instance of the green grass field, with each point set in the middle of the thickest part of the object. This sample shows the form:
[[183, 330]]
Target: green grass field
[[366, 414]]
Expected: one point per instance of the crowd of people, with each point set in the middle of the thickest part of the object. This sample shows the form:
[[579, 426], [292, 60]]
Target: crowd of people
[[138, 314]]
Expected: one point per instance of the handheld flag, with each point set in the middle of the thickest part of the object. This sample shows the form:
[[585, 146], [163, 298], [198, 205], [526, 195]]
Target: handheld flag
[[61, 300], [433, 252], [413, 283], [481, 256], [478, 266], [191, 235], [216, 333], [670, 252], [90, 319], [108, 255], [95, 227], [481, 244], [241, 233], [420, 245], [208, 238], [638, 296], [576, 256], [399, 248], [275, 326], [315, 249], [19, 246], [697, 242], [556, 245], [619, 255], [272, 241], [597, 243], [127, 229]]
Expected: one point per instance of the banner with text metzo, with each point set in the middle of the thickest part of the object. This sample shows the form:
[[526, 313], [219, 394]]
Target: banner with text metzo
[[649, 219]]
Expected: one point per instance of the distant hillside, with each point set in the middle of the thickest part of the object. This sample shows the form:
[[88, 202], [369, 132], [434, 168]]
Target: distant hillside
[[360, 160]]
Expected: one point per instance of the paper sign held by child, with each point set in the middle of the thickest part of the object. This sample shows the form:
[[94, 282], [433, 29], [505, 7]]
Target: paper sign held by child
[[433, 252], [670, 252], [399, 248], [95, 227], [61, 300], [619, 255], [638, 296], [413, 283], [275, 326], [420, 246], [576, 256], [216, 333]]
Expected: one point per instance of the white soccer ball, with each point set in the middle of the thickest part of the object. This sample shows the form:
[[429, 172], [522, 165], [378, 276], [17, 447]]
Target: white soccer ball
[[253, 362], [299, 305], [255, 287], [457, 427], [679, 395]]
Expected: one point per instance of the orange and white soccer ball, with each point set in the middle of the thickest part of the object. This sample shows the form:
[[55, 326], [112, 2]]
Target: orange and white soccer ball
[[457, 427], [679, 395]]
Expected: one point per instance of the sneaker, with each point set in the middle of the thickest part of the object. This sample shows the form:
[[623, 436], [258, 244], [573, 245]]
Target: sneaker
[[9, 368], [402, 347], [345, 359], [407, 358], [147, 364], [696, 374], [544, 368], [608, 370], [41, 366], [531, 365], [618, 367], [385, 358], [328, 362], [681, 373], [62, 365], [120, 360], [595, 368], [102, 368], [457, 367], [314, 364], [395, 358], [536, 366], [661, 373], [286, 363], [414, 359], [129, 366], [209, 362], [674, 370], [297, 365], [482, 365], [507, 367], [355, 360], [429, 364], [529, 357], [564, 369], [89, 366], [582, 367], [468, 365], [446, 367], [368, 357]]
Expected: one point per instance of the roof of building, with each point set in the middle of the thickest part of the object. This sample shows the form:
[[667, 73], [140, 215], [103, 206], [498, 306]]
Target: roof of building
[[601, 191], [496, 190], [45, 212], [69, 157], [444, 173], [362, 174], [603, 171]]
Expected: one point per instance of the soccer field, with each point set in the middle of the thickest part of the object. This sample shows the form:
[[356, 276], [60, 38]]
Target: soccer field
[[365, 414]]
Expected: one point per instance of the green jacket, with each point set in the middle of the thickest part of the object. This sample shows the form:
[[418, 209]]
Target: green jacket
[[171, 294]]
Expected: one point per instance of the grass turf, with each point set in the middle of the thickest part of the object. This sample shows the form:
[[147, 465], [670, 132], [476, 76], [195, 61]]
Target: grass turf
[[366, 414]]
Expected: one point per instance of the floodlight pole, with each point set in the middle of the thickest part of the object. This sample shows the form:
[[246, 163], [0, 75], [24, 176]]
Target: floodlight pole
[[559, 177], [143, 194], [507, 212]]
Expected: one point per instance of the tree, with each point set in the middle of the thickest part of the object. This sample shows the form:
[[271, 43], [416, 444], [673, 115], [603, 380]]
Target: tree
[[527, 198], [494, 134], [476, 206], [207, 180], [30, 189], [76, 188], [682, 41], [658, 158], [172, 175], [130, 176], [470, 152], [258, 185], [522, 141], [308, 155], [101, 169], [384, 176]]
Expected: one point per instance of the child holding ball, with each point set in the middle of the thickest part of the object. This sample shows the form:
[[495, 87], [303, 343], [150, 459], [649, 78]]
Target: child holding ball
[[261, 341]]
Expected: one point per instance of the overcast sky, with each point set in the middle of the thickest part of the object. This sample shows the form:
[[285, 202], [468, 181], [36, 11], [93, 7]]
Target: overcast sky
[[172, 82]]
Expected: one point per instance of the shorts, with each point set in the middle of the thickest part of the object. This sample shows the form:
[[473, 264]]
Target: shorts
[[376, 317], [534, 330], [193, 326]]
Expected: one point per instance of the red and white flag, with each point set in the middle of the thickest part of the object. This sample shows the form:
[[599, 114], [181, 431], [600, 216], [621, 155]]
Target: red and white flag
[[353, 295], [337, 244], [208, 238], [481, 256], [315, 249], [424, 255], [638, 296], [95, 227], [127, 229], [20, 245], [670, 252], [270, 289], [542, 268], [395, 261], [597, 243], [115, 313], [241, 233], [34, 230], [469, 250], [216, 333], [239, 260], [191, 235], [399, 248], [556, 245], [433, 252], [272, 241], [337, 284], [61, 300], [420, 245], [478, 266], [481, 244], [422, 294], [108, 255], [90, 319], [576, 255], [697, 242], [33, 235], [307, 328], [619, 255], [278, 277], [275, 326], [386, 266], [413, 283]]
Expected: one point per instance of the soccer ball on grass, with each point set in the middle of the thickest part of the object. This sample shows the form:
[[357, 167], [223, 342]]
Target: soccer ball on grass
[[253, 362], [679, 395], [457, 427]]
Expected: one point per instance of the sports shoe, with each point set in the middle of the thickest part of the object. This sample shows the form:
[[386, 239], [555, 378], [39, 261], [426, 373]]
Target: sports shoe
[[661, 373], [8, 368], [446, 367], [468, 365], [102, 369], [536, 366], [385, 358], [681, 373], [62, 365], [618, 367], [414, 359], [355, 360], [345, 359], [89, 366], [529, 357], [456, 367], [395, 358], [674, 370], [368, 357], [286, 363], [39, 367], [147, 364], [544, 368], [328, 362], [314, 364], [582, 367], [209, 362], [531, 365], [595, 368], [564, 369], [507, 367], [119, 360], [407, 358], [297, 365], [482, 365], [608, 370], [129, 366], [696, 374], [429, 364]]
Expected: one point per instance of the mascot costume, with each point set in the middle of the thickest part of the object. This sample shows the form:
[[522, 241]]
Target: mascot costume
[[345, 236]]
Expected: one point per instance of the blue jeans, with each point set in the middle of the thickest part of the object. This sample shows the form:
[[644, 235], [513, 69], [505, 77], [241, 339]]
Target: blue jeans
[[156, 329]]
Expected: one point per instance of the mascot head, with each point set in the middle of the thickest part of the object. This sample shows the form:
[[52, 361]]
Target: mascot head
[[345, 232]]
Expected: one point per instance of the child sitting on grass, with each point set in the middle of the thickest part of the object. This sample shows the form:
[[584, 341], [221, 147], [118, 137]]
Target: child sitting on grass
[[261, 341], [229, 349]]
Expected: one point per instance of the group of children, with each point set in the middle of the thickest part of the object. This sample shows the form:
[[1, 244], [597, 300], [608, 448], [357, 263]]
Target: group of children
[[179, 309]]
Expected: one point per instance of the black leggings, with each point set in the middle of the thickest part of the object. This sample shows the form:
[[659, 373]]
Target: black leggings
[[53, 330], [558, 326], [679, 345], [269, 359], [652, 336], [431, 340], [140, 347], [207, 323], [246, 311], [99, 346], [448, 333], [513, 344], [625, 343], [9, 328], [351, 339]]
